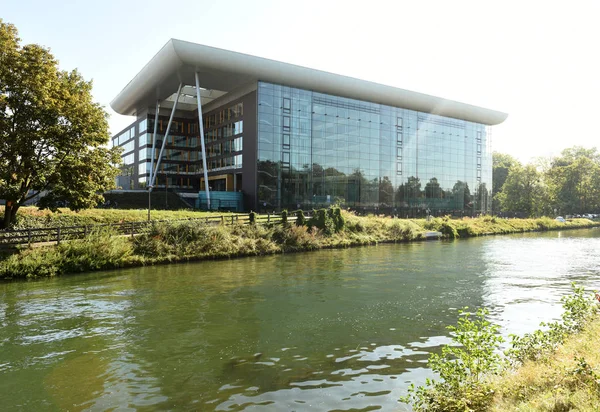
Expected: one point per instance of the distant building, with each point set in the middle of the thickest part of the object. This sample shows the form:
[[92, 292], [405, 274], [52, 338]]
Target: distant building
[[290, 136]]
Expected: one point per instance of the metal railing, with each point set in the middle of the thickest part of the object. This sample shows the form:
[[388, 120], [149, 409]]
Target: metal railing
[[61, 233]]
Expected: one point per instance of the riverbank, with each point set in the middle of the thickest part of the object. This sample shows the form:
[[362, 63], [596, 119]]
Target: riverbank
[[568, 380], [171, 242], [556, 368]]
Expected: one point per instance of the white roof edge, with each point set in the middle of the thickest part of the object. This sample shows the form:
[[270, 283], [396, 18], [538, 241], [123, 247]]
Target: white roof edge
[[178, 59]]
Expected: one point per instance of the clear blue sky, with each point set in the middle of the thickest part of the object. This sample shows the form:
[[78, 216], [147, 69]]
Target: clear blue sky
[[536, 60]]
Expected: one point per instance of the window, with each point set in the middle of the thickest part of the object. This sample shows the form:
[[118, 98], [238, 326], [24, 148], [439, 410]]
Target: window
[[399, 168], [143, 168], [479, 136], [129, 159], [478, 148], [142, 126], [287, 105], [286, 123], [399, 152], [285, 158], [399, 137], [478, 162], [399, 123], [286, 141]]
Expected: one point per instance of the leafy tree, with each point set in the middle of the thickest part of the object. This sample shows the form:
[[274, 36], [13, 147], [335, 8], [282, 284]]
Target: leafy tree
[[501, 163], [462, 195], [524, 191], [386, 191], [433, 189], [574, 180], [52, 135]]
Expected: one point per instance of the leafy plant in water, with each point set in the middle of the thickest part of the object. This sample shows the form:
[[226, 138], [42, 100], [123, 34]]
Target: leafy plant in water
[[463, 368]]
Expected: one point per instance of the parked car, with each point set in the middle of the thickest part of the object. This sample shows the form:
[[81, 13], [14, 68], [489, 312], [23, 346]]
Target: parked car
[[560, 219]]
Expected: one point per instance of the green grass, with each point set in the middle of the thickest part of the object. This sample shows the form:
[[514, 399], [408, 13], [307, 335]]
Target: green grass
[[569, 380], [31, 217], [177, 241]]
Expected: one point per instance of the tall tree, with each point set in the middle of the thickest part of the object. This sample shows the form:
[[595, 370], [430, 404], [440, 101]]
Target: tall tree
[[52, 134], [524, 192], [501, 163], [575, 182], [433, 189]]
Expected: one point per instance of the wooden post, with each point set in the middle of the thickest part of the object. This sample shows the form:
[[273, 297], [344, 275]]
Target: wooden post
[[268, 218], [58, 235], [29, 235], [132, 228]]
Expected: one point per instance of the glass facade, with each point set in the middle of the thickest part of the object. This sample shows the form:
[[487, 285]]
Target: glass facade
[[181, 165], [316, 149]]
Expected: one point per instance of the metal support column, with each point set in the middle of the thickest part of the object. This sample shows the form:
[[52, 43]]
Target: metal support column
[[150, 185], [162, 148], [201, 124]]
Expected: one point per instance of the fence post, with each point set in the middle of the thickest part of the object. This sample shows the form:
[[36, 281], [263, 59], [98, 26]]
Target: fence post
[[132, 228], [29, 236], [232, 219], [222, 219], [58, 235], [85, 233], [268, 218]]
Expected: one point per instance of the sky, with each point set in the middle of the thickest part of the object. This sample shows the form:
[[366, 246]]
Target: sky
[[538, 61]]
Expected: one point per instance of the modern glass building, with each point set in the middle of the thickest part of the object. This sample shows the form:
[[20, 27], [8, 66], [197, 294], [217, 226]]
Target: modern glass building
[[289, 137]]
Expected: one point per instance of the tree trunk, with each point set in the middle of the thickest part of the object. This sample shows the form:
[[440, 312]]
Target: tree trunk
[[10, 212]]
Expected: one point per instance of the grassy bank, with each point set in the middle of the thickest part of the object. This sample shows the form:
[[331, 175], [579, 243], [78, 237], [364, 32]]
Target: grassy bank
[[555, 368], [180, 241], [568, 380], [32, 217]]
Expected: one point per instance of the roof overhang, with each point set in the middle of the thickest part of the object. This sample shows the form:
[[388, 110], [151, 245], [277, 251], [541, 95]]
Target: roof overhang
[[222, 71]]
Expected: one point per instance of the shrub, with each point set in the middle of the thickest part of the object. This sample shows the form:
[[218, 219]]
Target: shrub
[[579, 309], [284, 217], [322, 220], [300, 218], [463, 367]]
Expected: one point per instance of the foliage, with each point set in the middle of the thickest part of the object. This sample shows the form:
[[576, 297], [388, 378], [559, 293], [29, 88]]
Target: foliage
[[32, 217], [300, 218], [566, 379], [464, 368], [322, 220], [579, 308], [101, 250], [524, 191], [501, 164], [252, 218], [52, 135], [284, 216], [566, 184], [181, 240]]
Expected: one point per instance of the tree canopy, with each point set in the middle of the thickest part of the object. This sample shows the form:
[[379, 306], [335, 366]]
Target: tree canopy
[[567, 184], [53, 136]]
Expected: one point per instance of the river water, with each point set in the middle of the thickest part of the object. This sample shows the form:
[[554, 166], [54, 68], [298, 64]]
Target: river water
[[328, 330]]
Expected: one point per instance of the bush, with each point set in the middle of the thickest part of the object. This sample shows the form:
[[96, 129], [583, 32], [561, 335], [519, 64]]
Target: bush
[[284, 217], [100, 250], [300, 218], [579, 309], [463, 367], [322, 220]]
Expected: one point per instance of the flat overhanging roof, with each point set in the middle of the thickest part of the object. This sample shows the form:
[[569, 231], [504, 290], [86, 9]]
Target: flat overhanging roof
[[222, 71]]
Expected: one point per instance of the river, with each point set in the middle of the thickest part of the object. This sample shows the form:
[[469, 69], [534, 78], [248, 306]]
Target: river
[[327, 330]]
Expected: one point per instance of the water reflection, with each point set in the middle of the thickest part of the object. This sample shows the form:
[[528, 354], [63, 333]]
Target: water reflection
[[330, 330]]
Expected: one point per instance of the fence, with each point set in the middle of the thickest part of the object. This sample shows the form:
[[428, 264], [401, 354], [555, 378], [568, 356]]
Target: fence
[[61, 233]]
